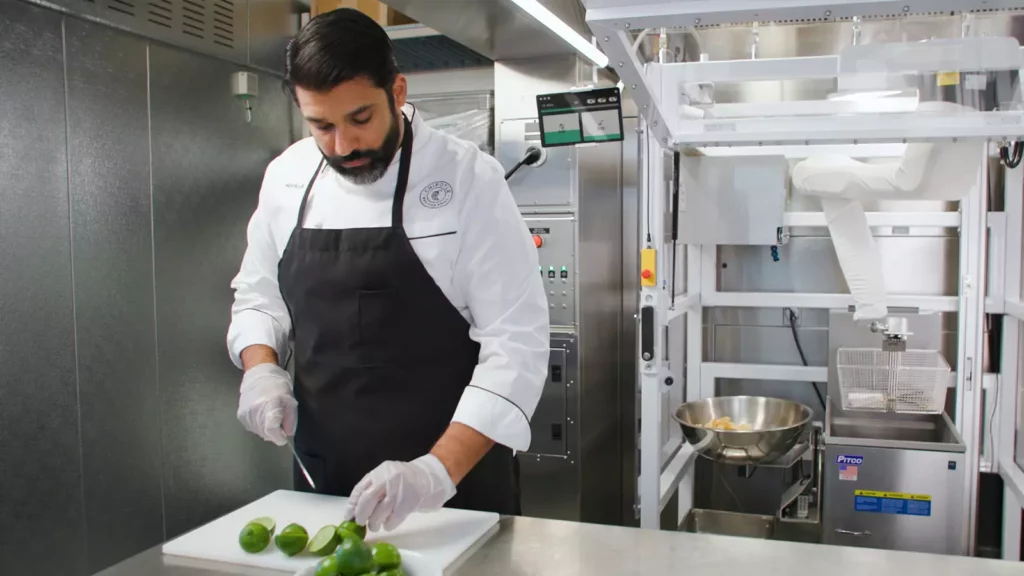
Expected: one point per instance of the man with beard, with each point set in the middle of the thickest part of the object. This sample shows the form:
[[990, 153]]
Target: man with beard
[[391, 260]]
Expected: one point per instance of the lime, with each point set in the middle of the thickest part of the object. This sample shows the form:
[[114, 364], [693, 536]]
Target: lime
[[392, 572], [343, 534], [327, 567], [254, 538], [267, 522], [354, 556], [351, 526], [385, 556], [325, 541], [292, 539]]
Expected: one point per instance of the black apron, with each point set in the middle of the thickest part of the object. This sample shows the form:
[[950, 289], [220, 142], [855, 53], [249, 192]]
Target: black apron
[[382, 357]]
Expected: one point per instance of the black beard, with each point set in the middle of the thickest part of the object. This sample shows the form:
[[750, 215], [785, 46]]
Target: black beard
[[380, 159]]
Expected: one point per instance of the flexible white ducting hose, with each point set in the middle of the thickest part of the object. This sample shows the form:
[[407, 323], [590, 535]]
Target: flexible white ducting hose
[[859, 256], [941, 171]]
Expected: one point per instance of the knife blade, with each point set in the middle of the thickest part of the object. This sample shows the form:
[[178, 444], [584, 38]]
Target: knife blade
[[299, 460]]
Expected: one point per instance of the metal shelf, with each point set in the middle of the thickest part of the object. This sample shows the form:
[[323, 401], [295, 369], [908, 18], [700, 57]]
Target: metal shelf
[[854, 130], [690, 13], [657, 89], [850, 129]]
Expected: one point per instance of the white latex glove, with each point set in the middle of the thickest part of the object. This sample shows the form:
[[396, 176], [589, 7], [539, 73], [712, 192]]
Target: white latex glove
[[266, 406], [386, 496]]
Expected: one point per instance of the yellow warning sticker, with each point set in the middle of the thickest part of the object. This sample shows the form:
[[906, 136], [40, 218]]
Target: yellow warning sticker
[[893, 495], [947, 78]]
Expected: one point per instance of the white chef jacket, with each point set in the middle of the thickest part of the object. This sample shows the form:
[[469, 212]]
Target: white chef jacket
[[463, 224]]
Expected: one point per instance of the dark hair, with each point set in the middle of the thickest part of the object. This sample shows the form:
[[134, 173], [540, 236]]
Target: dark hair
[[338, 46]]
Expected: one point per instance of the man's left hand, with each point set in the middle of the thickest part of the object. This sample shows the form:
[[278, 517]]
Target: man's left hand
[[386, 496]]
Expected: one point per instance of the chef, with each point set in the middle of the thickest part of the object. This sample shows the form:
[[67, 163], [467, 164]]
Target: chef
[[391, 260]]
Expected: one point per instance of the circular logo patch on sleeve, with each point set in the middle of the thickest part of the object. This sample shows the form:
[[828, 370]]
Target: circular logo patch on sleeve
[[436, 195]]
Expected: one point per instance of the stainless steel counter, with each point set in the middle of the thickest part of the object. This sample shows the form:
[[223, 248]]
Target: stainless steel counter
[[529, 546]]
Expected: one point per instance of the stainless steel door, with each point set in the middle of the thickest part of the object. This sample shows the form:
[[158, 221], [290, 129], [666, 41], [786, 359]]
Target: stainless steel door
[[549, 471]]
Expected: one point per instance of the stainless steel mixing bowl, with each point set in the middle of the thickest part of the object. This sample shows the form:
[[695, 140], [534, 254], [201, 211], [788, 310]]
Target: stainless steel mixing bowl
[[776, 427]]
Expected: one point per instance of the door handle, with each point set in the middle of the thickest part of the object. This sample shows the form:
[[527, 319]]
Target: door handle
[[853, 532]]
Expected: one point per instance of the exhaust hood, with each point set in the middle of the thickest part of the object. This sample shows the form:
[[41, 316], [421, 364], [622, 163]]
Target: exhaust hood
[[507, 29]]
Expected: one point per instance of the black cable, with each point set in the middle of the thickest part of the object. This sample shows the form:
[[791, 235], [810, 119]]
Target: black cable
[[791, 317], [647, 193], [675, 216], [532, 156], [1012, 157]]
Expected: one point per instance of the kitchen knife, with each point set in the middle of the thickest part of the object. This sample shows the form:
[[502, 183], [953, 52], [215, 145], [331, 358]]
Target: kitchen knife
[[299, 460]]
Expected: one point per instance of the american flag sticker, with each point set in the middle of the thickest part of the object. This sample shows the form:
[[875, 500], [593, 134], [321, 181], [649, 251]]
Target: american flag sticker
[[848, 472]]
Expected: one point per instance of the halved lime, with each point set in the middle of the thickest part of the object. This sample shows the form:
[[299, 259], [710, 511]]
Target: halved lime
[[267, 522], [254, 538], [325, 541], [385, 556], [351, 526], [292, 539], [328, 567]]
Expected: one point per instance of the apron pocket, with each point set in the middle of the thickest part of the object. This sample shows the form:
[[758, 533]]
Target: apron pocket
[[378, 310]]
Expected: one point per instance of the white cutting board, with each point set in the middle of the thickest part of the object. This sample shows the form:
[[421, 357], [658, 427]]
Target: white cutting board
[[431, 543]]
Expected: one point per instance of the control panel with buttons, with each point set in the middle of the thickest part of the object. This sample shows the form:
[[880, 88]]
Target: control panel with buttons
[[554, 239]]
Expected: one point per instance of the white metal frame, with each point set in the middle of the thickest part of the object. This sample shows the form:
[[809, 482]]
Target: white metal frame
[[1003, 457], [656, 92], [992, 258]]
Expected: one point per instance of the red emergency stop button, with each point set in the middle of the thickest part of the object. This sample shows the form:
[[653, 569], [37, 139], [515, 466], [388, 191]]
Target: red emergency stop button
[[538, 241], [646, 274]]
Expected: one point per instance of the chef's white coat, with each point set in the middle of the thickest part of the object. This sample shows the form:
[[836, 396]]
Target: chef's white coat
[[464, 226]]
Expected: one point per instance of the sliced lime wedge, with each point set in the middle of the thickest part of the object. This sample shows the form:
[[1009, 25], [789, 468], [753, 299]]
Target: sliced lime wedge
[[324, 542], [267, 522]]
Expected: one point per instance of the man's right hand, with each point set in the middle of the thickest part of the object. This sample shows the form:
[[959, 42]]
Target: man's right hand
[[266, 406]]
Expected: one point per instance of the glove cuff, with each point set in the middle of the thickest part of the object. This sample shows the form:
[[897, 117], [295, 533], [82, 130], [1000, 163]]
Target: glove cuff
[[254, 375], [443, 487]]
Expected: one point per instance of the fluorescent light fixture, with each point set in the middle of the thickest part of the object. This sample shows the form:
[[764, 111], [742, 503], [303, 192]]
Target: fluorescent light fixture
[[555, 24]]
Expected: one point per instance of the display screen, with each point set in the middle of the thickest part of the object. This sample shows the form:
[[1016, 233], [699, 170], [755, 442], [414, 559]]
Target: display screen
[[580, 117]]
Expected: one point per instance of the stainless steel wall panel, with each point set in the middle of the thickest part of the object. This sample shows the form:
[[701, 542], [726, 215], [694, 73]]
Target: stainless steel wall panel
[[628, 348], [547, 186], [599, 293], [272, 23], [207, 168], [517, 83], [215, 27], [108, 143], [912, 265], [40, 462], [550, 487]]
